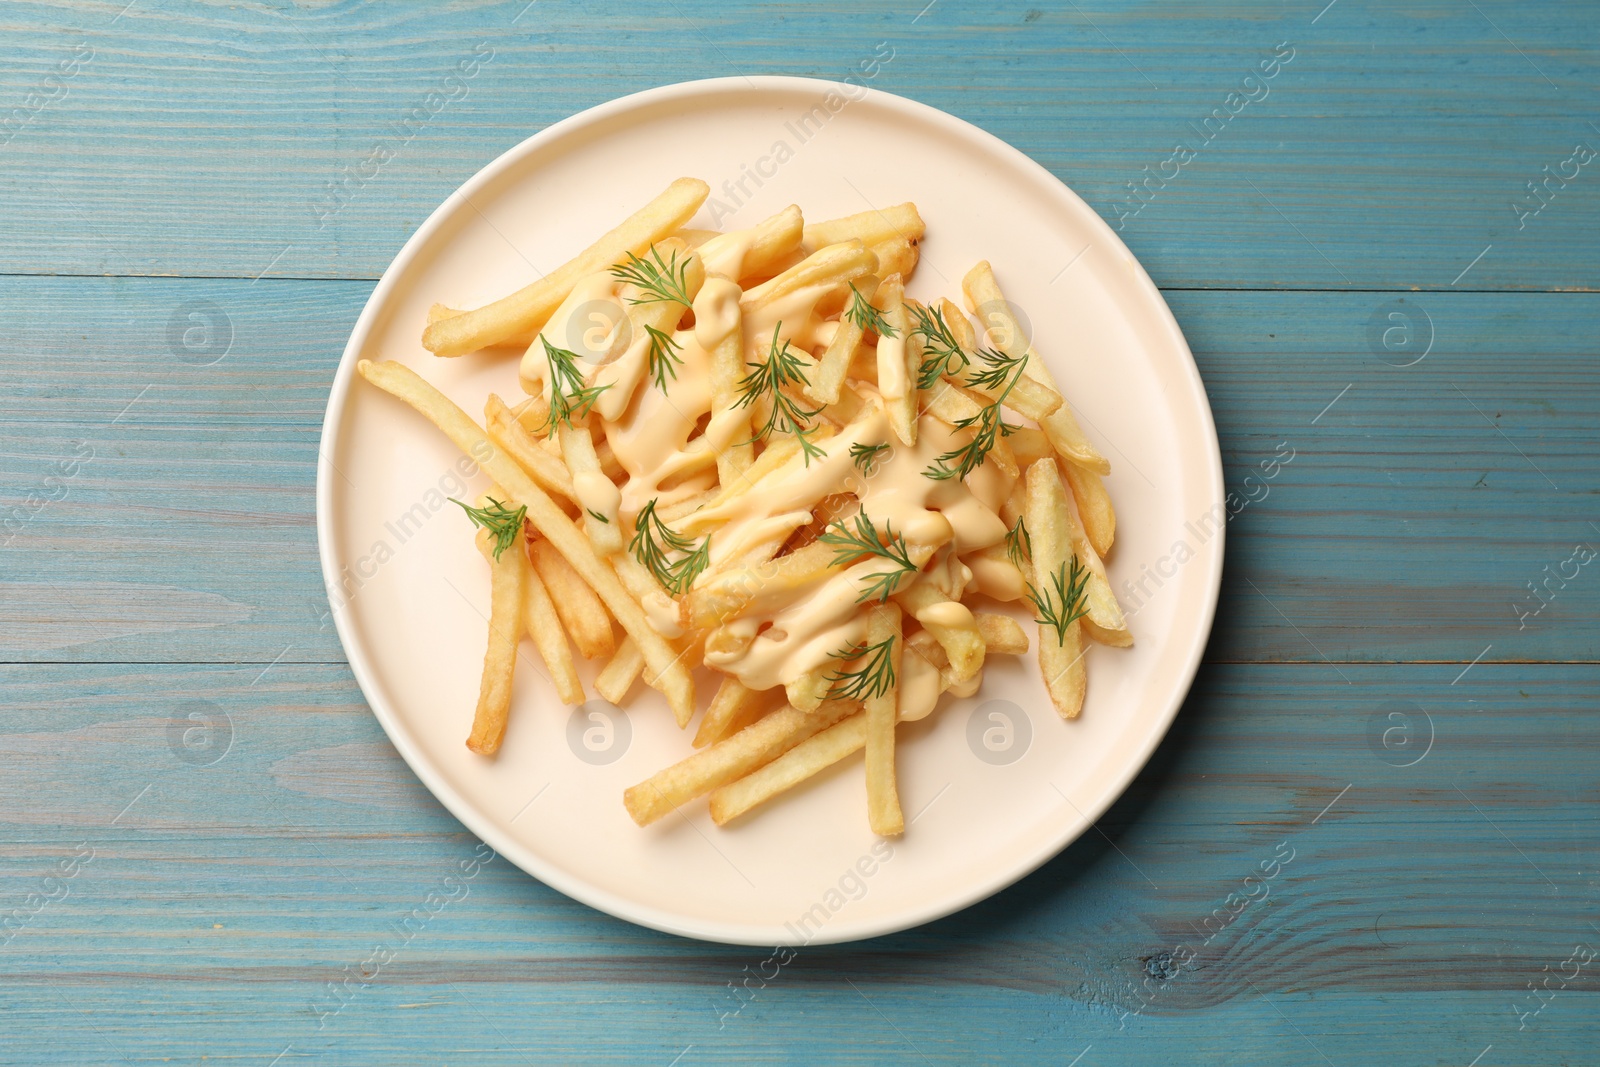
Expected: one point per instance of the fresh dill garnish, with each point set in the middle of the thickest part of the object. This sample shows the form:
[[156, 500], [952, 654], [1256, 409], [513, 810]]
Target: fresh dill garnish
[[866, 456], [1019, 545], [499, 520], [866, 541], [653, 540], [987, 426], [767, 378], [597, 515], [1066, 603], [863, 314], [570, 398], [941, 353], [874, 676], [662, 281], [663, 356]]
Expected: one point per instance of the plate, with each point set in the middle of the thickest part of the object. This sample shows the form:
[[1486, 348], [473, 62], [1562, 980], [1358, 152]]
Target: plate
[[992, 786]]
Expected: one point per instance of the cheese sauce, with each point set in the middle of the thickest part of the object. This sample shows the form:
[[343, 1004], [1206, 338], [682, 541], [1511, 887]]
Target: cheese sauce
[[667, 440]]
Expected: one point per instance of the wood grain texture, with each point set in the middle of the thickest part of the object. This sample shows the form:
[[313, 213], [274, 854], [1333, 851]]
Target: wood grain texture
[[1381, 703], [1411, 905], [200, 138]]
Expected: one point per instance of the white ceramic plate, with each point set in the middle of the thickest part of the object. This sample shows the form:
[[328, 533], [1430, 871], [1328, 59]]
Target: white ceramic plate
[[992, 786]]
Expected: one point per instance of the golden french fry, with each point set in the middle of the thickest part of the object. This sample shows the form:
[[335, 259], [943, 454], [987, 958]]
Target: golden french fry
[[621, 672], [758, 251], [730, 421], [507, 578], [1049, 528], [596, 494], [714, 601], [950, 622], [695, 238], [810, 756], [880, 710], [509, 432], [896, 256], [870, 227], [989, 303], [837, 264], [664, 666], [1029, 446], [526, 310], [544, 629], [577, 606], [899, 360], [828, 377], [995, 573], [808, 691], [1094, 506], [728, 759], [732, 709], [1103, 619], [1002, 635]]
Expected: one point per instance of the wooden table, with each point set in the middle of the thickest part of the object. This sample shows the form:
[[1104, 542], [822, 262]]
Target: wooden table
[[204, 827]]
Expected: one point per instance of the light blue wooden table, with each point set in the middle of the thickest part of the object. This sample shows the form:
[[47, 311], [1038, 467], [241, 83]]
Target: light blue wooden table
[[202, 826]]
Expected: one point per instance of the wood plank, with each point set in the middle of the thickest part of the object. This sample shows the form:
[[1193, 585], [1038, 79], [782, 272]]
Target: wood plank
[[1409, 908], [1411, 519], [1387, 153]]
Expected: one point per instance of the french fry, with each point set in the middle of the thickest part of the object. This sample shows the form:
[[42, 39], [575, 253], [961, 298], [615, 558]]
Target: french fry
[[577, 606], [1094, 507], [728, 759], [869, 227], [756, 252], [618, 676], [509, 432], [880, 711], [507, 578], [811, 756], [950, 622], [526, 310], [837, 264], [712, 602], [1060, 650], [544, 629], [1002, 635], [995, 574], [986, 300], [899, 360], [733, 707], [828, 377], [896, 256], [596, 494], [731, 419], [1103, 620], [664, 667], [823, 749], [809, 690]]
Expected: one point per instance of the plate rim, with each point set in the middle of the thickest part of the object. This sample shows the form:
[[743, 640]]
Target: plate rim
[[574, 886]]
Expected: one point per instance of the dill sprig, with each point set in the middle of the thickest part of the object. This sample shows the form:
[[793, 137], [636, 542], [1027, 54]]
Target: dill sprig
[[663, 356], [866, 457], [499, 520], [863, 314], [1019, 545], [768, 378], [941, 353], [599, 517], [662, 281], [866, 541], [1066, 603], [873, 677], [570, 398], [987, 426], [653, 540]]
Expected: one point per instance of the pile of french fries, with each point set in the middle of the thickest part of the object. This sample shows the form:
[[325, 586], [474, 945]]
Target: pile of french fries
[[777, 471]]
